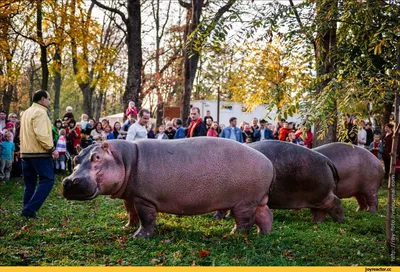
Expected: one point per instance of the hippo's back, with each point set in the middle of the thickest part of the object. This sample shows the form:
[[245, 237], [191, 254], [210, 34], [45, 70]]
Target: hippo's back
[[358, 168], [303, 177]]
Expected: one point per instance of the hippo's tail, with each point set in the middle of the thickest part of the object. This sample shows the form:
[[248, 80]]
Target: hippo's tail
[[334, 171]]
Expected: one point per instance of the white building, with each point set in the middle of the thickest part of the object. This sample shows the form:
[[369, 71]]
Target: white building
[[238, 110]]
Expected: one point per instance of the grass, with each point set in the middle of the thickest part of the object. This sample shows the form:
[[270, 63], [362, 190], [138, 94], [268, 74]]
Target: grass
[[73, 233]]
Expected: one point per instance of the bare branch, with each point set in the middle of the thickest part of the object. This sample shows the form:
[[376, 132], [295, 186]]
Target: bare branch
[[301, 25], [120, 13]]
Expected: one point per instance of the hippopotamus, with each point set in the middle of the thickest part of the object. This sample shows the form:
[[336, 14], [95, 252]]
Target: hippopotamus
[[304, 179], [184, 177], [360, 172]]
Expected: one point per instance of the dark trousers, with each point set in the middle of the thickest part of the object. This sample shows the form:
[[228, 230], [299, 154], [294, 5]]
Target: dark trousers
[[386, 162], [34, 197]]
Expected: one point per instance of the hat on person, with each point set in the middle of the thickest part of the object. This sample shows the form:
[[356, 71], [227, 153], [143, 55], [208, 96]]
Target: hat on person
[[262, 121], [69, 108], [9, 125], [3, 111]]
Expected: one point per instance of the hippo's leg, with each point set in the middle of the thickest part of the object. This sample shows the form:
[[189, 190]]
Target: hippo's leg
[[362, 202], [372, 200], [318, 215], [334, 209], [221, 214], [131, 211], [264, 219], [147, 214], [245, 217]]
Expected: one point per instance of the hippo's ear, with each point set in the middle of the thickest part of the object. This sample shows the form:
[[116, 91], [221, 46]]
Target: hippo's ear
[[105, 147]]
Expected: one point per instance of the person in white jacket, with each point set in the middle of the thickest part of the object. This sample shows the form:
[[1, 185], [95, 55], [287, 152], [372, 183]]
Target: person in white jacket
[[361, 135]]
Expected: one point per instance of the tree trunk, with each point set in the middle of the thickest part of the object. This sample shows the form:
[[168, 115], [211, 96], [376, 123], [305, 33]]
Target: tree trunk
[[31, 71], [325, 62], [99, 102], [87, 92], [191, 58], [43, 47], [391, 210], [387, 111], [7, 98], [57, 83], [134, 43]]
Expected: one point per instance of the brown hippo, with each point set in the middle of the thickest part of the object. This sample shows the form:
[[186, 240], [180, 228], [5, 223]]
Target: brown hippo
[[304, 179], [360, 172], [184, 177]]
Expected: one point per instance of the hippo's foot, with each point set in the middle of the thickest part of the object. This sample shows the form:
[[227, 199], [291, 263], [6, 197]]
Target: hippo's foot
[[245, 218], [264, 219], [318, 215], [133, 216], [372, 200], [147, 214], [221, 214], [362, 203], [143, 232]]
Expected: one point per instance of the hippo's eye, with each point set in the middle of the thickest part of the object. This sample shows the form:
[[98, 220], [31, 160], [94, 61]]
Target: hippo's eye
[[95, 158]]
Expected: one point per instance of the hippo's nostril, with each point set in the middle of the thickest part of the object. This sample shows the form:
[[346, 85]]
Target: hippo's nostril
[[67, 182]]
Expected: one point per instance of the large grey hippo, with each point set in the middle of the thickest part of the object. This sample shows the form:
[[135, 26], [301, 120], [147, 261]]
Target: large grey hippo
[[360, 172], [304, 179], [184, 177]]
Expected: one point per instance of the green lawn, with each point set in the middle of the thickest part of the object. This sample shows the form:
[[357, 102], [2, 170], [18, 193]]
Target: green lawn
[[74, 233]]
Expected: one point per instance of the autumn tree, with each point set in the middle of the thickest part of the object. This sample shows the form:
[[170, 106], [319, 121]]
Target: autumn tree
[[133, 24], [267, 75], [194, 39]]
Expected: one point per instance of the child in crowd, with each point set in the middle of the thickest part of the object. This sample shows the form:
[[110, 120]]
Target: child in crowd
[[376, 147], [68, 114], [61, 147], [7, 149], [161, 133], [9, 128], [131, 109], [84, 123]]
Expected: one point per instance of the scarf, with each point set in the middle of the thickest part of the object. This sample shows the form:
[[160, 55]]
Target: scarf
[[192, 126]]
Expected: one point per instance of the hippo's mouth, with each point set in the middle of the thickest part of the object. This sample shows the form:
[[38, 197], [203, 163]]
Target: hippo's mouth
[[93, 195], [80, 197]]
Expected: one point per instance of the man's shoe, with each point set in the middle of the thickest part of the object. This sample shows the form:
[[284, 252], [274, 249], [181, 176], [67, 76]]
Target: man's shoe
[[29, 215]]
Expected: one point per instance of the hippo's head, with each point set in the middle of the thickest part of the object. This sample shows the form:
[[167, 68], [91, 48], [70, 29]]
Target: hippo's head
[[99, 170]]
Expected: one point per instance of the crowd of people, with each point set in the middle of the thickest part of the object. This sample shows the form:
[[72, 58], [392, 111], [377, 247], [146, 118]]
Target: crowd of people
[[380, 144], [35, 147]]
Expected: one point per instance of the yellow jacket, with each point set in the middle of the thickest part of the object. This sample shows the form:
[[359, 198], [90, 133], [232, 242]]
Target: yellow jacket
[[35, 133]]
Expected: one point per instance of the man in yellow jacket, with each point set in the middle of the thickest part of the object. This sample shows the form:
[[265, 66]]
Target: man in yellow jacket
[[37, 150]]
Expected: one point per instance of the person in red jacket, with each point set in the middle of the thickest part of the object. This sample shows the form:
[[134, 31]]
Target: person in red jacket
[[284, 131], [73, 137]]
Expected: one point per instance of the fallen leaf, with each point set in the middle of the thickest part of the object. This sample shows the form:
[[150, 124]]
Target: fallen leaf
[[177, 255], [316, 227], [193, 263], [120, 261], [288, 254], [225, 236], [122, 240], [204, 253], [25, 228], [154, 260]]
